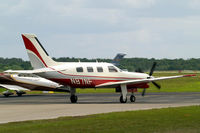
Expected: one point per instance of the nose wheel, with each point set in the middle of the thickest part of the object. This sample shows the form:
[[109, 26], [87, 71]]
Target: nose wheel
[[132, 98]]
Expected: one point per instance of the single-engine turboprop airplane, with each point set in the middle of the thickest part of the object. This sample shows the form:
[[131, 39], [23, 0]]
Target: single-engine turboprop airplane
[[86, 75]]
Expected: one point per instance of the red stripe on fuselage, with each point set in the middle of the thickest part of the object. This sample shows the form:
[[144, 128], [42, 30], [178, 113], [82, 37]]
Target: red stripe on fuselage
[[31, 47], [81, 83], [84, 83]]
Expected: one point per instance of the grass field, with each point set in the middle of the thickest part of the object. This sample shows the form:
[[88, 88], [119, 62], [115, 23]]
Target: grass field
[[189, 84], [170, 120]]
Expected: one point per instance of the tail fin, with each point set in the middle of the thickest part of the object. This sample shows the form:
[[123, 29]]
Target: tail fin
[[38, 56], [118, 58]]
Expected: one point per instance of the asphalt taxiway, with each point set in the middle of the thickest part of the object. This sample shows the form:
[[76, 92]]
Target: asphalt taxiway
[[47, 106]]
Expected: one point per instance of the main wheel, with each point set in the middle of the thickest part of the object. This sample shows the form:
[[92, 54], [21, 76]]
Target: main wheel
[[132, 98], [122, 100], [73, 99], [6, 95]]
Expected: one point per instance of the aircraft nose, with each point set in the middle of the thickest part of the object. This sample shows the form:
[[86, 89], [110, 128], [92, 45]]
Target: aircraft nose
[[149, 77], [152, 77]]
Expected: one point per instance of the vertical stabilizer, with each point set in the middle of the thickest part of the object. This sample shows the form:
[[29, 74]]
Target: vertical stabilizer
[[38, 56], [118, 58]]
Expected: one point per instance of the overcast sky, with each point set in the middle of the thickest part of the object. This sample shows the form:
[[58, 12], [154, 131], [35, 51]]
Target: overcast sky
[[102, 28]]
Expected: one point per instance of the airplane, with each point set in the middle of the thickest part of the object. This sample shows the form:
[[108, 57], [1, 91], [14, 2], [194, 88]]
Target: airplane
[[82, 75], [18, 82], [27, 82]]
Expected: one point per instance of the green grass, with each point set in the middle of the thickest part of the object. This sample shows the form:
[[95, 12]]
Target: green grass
[[188, 84], [170, 120]]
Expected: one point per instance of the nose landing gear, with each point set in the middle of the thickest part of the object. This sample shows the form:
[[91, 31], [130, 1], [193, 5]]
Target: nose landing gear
[[132, 98], [123, 97]]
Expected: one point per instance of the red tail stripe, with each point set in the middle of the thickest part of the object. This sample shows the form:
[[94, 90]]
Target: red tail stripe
[[31, 47]]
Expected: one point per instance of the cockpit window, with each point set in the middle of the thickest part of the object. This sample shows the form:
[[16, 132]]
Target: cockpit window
[[79, 69], [112, 69], [99, 69]]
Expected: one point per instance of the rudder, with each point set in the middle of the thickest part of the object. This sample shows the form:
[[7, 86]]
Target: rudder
[[38, 56]]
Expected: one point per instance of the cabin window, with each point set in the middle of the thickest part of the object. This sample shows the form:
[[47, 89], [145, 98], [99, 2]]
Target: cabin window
[[112, 69], [79, 69], [99, 69], [90, 69]]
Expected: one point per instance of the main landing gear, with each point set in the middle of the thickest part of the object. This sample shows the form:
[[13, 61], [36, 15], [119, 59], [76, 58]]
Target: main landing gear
[[8, 93], [73, 97], [20, 93], [123, 97]]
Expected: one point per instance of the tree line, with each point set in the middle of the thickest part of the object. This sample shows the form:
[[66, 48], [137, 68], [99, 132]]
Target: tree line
[[131, 64]]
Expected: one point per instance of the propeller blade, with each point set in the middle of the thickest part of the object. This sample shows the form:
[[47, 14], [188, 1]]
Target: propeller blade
[[157, 85], [152, 69], [143, 92]]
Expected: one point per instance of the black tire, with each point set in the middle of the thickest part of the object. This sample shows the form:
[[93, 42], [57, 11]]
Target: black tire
[[74, 99], [6, 95], [122, 100], [132, 98]]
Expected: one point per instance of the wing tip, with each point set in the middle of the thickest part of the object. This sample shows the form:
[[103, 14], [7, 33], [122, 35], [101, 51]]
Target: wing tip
[[190, 75]]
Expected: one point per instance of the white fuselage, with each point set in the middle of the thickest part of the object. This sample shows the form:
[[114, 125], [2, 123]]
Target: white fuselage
[[88, 75]]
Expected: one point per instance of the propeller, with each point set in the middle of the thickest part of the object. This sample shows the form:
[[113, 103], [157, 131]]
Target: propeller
[[156, 84], [143, 92], [150, 74], [152, 69]]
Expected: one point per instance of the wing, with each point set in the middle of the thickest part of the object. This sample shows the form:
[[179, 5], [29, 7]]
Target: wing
[[128, 82], [14, 87]]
